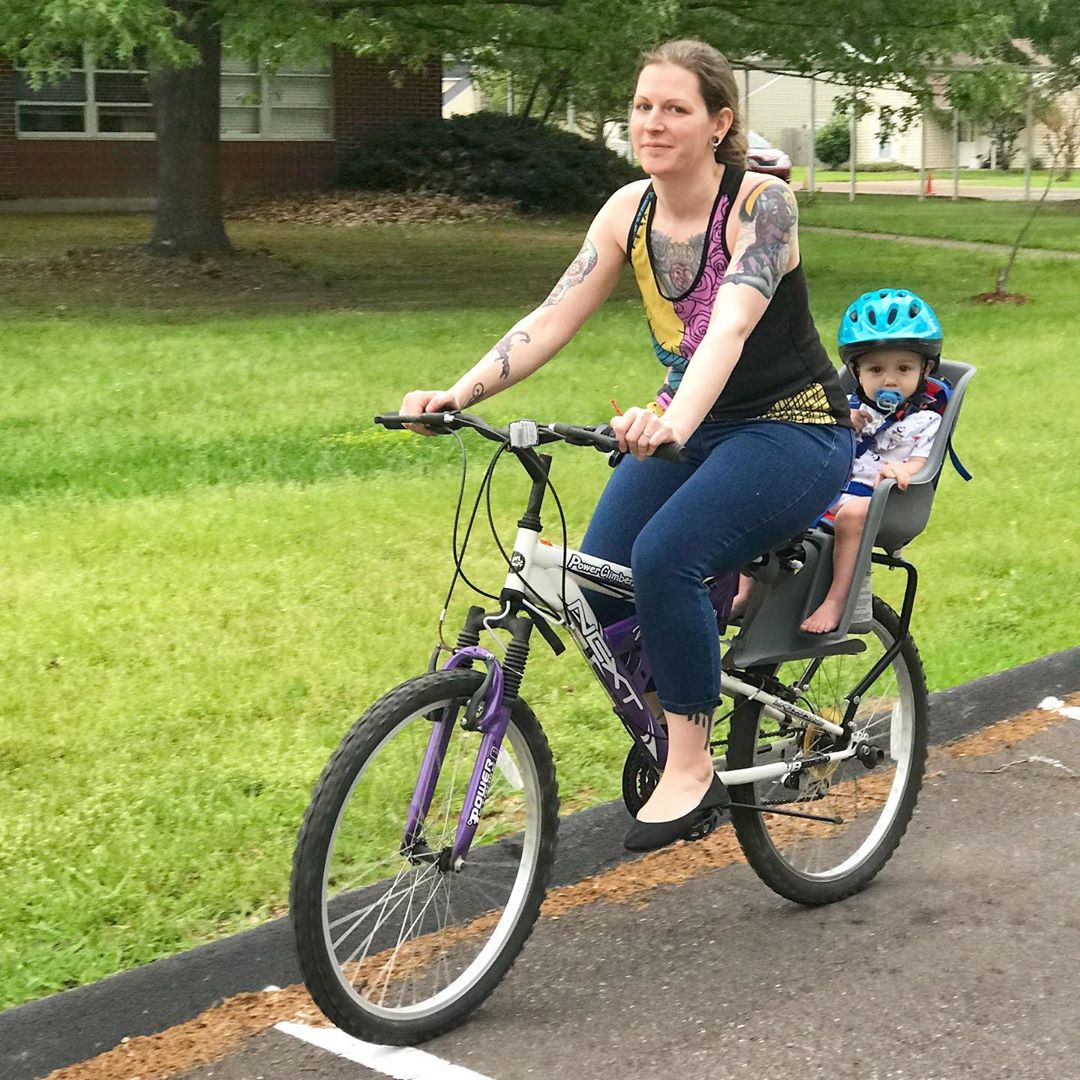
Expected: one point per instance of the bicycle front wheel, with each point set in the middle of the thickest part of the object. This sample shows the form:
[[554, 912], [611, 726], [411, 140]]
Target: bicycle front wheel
[[816, 862], [397, 946]]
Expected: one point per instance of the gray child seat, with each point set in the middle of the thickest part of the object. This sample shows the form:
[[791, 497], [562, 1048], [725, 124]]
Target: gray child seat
[[771, 633]]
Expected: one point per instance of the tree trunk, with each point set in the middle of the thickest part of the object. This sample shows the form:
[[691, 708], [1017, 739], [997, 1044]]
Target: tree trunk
[[526, 108], [189, 219]]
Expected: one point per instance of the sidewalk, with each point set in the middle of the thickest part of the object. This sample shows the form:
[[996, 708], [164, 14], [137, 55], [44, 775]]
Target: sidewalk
[[943, 188], [940, 242]]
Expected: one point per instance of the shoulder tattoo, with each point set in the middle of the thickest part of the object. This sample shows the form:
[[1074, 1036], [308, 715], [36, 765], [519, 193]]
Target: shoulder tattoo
[[768, 215], [575, 274]]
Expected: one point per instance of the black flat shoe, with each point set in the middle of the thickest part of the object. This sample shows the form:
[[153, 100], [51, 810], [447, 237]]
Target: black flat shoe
[[650, 835]]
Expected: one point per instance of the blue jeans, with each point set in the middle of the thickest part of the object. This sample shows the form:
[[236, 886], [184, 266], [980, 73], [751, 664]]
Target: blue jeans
[[747, 486]]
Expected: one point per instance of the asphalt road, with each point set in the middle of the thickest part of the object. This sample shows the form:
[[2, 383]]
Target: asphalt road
[[973, 920], [959, 961]]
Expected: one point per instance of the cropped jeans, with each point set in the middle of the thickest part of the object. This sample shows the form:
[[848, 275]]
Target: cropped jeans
[[746, 486]]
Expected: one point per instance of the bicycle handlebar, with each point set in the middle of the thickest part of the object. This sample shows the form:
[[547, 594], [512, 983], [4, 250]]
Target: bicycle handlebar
[[598, 436]]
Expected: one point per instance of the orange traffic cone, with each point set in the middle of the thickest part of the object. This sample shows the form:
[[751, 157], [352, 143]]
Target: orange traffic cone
[[929, 182]]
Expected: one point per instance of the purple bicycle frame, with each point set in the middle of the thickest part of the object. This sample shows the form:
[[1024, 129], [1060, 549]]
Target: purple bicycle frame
[[620, 664], [631, 668], [493, 727]]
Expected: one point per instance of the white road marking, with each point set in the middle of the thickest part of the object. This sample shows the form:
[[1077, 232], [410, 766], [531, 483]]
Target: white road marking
[[400, 1062], [1053, 704]]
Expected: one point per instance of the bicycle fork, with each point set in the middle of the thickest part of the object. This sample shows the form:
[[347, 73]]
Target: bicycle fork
[[488, 712]]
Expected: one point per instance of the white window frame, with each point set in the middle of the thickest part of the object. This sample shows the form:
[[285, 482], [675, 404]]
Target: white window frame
[[89, 105], [265, 108]]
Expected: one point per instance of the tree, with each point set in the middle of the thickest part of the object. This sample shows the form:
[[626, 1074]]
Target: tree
[[884, 42], [183, 41]]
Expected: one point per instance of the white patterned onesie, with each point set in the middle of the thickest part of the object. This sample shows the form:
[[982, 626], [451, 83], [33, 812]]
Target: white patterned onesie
[[913, 436]]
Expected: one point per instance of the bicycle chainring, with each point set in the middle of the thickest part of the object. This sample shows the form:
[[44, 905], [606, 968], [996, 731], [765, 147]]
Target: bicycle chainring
[[639, 779]]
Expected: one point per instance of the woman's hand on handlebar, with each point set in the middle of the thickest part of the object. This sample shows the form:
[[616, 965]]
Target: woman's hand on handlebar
[[416, 402], [641, 431]]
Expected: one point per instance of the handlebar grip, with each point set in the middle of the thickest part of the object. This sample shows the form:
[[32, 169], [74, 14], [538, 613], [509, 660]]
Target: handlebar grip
[[665, 451], [670, 452], [392, 421], [396, 421]]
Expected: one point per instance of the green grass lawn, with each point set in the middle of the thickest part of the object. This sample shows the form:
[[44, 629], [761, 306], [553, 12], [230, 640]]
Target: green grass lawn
[[1056, 225], [210, 561], [982, 177]]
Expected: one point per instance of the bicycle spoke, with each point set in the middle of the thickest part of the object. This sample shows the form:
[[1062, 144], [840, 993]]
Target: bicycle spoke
[[803, 859], [406, 942]]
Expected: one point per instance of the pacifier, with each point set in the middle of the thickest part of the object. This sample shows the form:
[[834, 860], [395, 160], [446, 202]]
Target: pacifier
[[888, 401]]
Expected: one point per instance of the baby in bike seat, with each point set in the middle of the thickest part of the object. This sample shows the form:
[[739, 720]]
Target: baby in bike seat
[[890, 339]]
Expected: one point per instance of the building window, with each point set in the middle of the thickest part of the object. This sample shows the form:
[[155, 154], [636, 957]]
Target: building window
[[100, 99], [286, 103], [94, 98]]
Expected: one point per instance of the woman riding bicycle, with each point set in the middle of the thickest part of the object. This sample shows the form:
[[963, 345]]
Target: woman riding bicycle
[[760, 410]]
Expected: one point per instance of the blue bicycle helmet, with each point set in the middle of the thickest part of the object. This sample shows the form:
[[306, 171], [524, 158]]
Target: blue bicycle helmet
[[890, 319]]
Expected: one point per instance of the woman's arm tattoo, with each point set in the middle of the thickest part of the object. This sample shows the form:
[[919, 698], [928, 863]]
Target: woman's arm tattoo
[[476, 395], [502, 350], [575, 274], [703, 720], [769, 215]]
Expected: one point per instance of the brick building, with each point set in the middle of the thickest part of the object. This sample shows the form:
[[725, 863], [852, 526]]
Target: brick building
[[91, 135]]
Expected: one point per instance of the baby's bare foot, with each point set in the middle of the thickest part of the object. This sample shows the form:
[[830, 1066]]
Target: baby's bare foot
[[825, 619]]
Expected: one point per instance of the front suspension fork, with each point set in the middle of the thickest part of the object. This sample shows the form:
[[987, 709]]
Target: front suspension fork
[[488, 711]]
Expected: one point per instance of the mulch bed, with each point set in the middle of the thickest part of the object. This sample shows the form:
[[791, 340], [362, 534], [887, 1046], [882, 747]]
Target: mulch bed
[[352, 208], [250, 276], [253, 275], [1000, 298]]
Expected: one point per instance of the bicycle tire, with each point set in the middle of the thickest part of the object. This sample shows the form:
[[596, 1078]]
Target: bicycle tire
[[814, 863], [324, 858]]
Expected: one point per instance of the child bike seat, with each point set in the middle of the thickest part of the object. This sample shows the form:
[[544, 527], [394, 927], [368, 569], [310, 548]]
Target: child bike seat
[[893, 519]]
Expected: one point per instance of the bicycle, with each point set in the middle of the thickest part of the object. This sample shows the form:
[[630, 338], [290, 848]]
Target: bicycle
[[426, 849]]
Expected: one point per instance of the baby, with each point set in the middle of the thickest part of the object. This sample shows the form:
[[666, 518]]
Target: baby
[[891, 341]]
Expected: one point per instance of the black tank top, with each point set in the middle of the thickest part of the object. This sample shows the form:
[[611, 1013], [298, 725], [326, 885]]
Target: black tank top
[[783, 373]]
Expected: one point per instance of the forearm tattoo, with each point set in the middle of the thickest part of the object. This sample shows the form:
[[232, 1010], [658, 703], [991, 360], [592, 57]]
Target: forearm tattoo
[[703, 720], [676, 262], [768, 215], [476, 395], [502, 350], [575, 274]]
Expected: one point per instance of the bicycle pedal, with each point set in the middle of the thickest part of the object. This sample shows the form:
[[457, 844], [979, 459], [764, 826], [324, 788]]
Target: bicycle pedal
[[704, 825]]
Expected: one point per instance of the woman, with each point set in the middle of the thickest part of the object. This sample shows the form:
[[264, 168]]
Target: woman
[[760, 411]]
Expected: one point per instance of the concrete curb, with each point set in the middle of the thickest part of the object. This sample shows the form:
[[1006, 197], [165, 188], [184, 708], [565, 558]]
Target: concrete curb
[[78, 1024]]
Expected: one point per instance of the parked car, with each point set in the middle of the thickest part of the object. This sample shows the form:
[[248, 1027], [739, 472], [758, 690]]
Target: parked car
[[762, 157]]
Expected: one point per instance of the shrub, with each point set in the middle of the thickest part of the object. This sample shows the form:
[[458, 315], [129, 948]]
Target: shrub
[[885, 166], [486, 155], [833, 142]]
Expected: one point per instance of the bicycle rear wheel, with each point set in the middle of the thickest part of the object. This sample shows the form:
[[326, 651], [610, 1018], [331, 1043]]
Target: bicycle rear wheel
[[814, 862], [396, 949]]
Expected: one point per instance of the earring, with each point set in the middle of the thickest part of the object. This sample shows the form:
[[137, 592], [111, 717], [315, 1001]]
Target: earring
[[716, 142]]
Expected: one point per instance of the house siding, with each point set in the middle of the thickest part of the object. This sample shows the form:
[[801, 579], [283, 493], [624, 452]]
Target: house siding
[[364, 94], [779, 110]]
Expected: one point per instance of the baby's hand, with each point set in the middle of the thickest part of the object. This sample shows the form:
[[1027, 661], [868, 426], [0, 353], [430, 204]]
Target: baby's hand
[[860, 419], [895, 471]]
